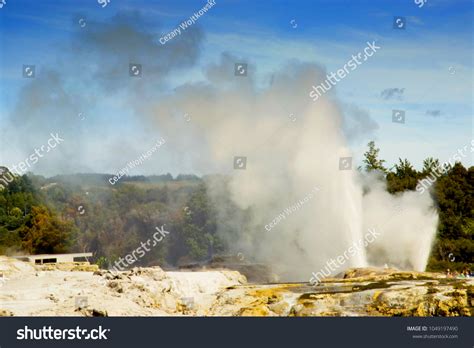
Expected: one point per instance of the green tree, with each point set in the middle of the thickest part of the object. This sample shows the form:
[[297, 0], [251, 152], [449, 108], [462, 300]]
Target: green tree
[[27, 225], [45, 234], [199, 229], [405, 177], [371, 160], [430, 166], [454, 195]]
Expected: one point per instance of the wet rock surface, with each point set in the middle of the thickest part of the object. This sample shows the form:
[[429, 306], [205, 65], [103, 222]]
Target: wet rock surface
[[30, 291], [358, 292]]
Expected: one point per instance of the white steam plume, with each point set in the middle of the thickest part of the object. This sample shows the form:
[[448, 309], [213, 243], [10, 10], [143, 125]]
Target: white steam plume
[[293, 145]]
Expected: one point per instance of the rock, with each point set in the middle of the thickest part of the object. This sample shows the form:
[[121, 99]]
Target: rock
[[94, 312], [6, 313], [150, 291], [116, 285], [52, 298], [69, 267], [280, 308]]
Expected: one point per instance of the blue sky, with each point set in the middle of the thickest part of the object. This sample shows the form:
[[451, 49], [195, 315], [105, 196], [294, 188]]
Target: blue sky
[[431, 61]]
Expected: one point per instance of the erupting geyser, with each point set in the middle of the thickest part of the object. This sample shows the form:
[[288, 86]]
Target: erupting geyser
[[292, 145]]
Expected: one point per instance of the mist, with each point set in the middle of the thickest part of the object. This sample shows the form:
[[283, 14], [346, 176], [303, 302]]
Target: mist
[[292, 146]]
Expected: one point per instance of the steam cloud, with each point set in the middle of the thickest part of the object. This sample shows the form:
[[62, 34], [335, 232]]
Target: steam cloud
[[292, 145], [286, 158]]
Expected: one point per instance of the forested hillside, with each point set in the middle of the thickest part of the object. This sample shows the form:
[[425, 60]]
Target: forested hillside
[[85, 213]]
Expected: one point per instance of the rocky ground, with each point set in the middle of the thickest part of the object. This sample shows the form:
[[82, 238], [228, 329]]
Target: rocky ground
[[83, 290]]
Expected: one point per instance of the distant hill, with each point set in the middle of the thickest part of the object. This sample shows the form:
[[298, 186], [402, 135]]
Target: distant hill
[[89, 179]]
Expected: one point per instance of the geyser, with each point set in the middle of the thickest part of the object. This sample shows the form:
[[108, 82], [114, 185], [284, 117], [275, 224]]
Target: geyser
[[292, 145]]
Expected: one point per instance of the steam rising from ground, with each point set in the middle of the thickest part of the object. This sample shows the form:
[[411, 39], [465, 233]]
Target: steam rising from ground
[[292, 145], [407, 235]]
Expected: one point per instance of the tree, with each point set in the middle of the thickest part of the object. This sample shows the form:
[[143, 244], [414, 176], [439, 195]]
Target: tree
[[28, 225], [371, 159], [454, 194], [430, 166], [200, 225], [405, 177], [44, 234]]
